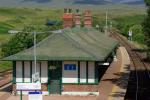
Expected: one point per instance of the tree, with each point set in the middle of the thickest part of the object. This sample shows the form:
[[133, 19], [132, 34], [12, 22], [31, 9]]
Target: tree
[[21, 41], [146, 27], [138, 35]]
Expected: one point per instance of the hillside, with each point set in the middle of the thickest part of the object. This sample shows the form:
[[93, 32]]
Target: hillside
[[64, 3]]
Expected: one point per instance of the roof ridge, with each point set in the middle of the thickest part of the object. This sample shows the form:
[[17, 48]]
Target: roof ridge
[[81, 46], [92, 40], [25, 50]]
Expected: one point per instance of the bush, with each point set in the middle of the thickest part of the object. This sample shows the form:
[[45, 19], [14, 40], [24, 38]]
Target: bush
[[146, 27], [134, 23], [138, 34]]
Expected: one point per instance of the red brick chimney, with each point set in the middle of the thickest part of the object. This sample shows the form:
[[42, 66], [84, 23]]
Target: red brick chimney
[[87, 18], [67, 18], [77, 18]]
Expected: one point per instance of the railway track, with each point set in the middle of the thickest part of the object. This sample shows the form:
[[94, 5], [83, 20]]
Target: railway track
[[5, 91], [6, 72], [5, 84], [139, 81], [5, 77]]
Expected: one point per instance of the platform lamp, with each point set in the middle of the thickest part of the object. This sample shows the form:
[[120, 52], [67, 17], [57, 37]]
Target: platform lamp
[[36, 75]]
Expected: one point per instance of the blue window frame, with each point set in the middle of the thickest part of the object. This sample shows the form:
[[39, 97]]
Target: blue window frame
[[70, 67]]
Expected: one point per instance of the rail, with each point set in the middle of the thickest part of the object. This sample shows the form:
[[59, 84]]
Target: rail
[[138, 65]]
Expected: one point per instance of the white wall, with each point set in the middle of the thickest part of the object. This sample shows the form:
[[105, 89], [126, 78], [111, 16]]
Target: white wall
[[18, 71], [44, 72], [27, 71], [70, 76], [91, 72], [83, 72], [38, 70]]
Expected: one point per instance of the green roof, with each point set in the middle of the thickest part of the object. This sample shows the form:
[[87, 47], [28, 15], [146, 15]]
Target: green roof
[[72, 44]]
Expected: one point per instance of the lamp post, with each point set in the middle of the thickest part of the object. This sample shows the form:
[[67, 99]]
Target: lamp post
[[35, 55], [106, 23]]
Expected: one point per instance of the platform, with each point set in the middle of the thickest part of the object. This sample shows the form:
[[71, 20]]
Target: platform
[[114, 83]]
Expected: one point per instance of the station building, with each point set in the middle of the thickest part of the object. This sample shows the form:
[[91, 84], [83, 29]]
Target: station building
[[68, 62]]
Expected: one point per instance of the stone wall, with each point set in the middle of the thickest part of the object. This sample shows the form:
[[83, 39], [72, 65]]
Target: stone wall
[[80, 88]]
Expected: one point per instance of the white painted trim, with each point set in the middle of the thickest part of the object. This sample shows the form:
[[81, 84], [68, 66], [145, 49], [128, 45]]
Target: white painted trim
[[26, 71], [83, 72], [106, 64], [80, 93], [44, 72], [19, 71], [91, 72]]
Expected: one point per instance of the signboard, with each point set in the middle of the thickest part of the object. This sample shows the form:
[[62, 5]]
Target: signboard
[[69, 66], [36, 77], [28, 86], [35, 96]]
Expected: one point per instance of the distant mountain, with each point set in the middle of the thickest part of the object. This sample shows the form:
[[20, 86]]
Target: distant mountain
[[61, 3], [130, 1], [134, 2], [92, 2]]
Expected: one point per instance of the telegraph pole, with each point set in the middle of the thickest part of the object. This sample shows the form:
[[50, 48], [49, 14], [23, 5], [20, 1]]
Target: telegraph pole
[[34, 54], [106, 24]]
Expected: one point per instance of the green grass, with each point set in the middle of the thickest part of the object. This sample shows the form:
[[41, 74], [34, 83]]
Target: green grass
[[5, 65], [17, 18], [134, 23], [4, 38], [4, 27]]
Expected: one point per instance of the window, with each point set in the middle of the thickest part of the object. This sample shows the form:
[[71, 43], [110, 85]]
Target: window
[[70, 67]]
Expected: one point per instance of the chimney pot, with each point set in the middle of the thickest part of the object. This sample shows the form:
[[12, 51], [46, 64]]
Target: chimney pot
[[70, 10], [65, 10], [77, 18], [67, 19], [87, 18], [77, 10]]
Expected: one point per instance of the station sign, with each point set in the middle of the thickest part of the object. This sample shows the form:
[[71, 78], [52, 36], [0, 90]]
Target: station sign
[[28, 86], [71, 67], [35, 77]]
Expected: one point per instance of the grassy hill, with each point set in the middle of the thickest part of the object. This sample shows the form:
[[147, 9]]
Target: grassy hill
[[17, 18]]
